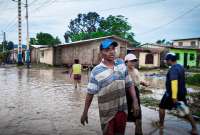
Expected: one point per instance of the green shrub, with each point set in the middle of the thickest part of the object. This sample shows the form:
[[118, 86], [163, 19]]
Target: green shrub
[[149, 101], [193, 80], [4, 56]]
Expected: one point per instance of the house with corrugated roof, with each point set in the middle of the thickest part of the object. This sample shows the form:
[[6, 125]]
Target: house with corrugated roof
[[87, 51], [187, 51], [187, 55], [147, 57], [187, 42]]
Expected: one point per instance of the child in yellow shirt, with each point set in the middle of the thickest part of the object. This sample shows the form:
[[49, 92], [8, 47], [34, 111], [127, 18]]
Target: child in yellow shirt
[[76, 71]]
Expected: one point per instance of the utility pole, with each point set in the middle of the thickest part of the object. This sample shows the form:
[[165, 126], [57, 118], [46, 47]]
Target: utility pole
[[27, 57], [27, 37], [4, 41], [19, 34]]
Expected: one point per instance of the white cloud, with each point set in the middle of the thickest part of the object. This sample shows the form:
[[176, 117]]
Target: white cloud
[[54, 18]]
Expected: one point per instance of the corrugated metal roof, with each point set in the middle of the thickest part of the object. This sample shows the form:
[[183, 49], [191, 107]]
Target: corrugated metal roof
[[195, 38], [94, 39], [153, 44], [39, 46], [185, 48], [153, 50]]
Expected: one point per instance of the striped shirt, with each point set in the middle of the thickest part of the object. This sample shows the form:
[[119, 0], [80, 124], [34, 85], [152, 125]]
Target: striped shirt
[[109, 85]]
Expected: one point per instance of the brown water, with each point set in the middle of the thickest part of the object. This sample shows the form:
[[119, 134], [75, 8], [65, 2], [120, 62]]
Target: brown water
[[44, 102]]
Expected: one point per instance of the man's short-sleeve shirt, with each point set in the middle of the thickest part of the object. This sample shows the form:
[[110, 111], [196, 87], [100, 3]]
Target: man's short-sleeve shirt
[[176, 72], [110, 85], [101, 76]]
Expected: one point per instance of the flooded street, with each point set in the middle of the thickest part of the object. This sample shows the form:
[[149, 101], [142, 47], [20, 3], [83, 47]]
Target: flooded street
[[44, 102], [35, 101]]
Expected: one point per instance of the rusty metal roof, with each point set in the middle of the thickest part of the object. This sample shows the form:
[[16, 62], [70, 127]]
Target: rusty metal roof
[[195, 38], [152, 50], [94, 39]]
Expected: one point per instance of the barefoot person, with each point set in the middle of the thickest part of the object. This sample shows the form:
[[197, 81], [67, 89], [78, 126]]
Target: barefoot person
[[175, 92], [108, 80], [76, 71], [131, 61]]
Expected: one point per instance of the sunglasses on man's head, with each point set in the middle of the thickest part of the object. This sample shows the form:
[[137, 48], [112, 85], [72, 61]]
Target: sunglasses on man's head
[[133, 61]]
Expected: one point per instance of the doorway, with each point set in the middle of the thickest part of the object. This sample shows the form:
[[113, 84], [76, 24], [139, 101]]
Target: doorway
[[185, 59]]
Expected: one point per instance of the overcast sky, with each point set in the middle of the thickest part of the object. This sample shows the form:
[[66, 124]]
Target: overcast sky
[[151, 19]]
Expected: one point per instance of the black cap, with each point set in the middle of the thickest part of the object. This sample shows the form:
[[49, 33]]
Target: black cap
[[170, 56]]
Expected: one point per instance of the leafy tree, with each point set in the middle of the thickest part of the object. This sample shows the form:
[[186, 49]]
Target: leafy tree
[[168, 43], [82, 36], [91, 25], [117, 25], [45, 39], [10, 45], [160, 41], [33, 41], [4, 56], [82, 26], [67, 37], [163, 42], [4, 46], [1, 47], [57, 40], [85, 23]]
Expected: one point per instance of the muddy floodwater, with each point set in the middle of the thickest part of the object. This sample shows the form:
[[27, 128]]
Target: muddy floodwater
[[44, 102], [38, 101]]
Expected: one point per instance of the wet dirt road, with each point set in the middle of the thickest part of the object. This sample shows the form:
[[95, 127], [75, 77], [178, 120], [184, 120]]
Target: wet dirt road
[[44, 102]]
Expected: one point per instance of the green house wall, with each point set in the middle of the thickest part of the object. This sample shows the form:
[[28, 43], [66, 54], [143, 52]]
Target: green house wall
[[181, 52]]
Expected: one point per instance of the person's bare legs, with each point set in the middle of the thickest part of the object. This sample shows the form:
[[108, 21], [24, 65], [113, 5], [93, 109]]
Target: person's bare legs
[[79, 84], [161, 131], [75, 84], [138, 127], [193, 123], [162, 117]]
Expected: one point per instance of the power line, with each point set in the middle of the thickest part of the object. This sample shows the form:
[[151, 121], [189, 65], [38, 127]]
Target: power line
[[34, 1], [122, 7], [13, 22], [4, 6], [43, 5], [135, 5], [10, 8], [173, 20], [10, 26]]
